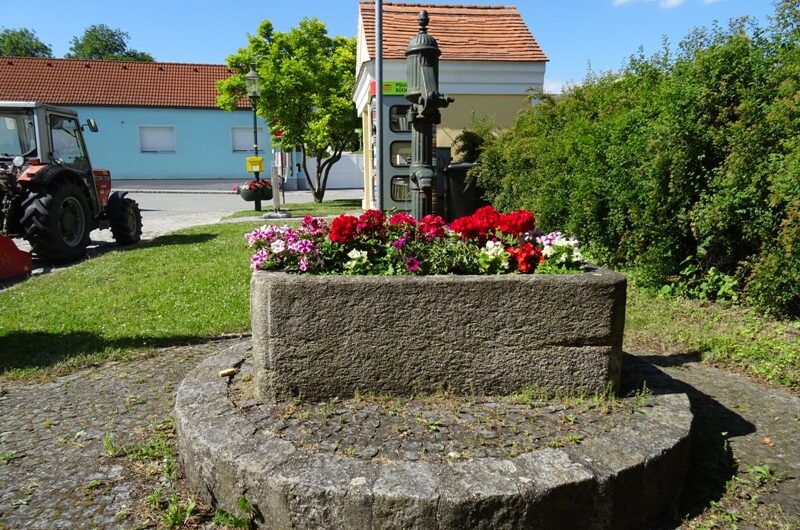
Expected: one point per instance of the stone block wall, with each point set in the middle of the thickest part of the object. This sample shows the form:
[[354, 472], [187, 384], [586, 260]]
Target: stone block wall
[[317, 337]]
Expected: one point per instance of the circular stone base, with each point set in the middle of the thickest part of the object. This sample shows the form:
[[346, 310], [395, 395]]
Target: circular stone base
[[439, 462]]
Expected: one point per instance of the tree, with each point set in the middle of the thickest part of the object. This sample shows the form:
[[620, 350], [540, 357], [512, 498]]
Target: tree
[[102, 42], [22, 42], [307, 79]]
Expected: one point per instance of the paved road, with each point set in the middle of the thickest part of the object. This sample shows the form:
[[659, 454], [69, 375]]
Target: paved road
[[166, 211], [172, 205]]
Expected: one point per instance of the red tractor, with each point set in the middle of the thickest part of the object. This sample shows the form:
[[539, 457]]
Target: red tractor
[[49, 193]]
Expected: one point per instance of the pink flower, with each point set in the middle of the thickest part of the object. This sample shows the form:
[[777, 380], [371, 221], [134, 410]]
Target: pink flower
[[402, 218], [412, 264], [258, 258], [313, 226], [278, 246]]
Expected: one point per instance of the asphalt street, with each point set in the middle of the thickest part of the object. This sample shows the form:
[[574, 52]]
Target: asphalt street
[[167, 206]]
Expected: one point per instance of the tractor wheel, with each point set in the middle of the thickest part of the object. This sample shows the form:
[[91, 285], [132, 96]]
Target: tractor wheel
[[56, 221], [126, 219]]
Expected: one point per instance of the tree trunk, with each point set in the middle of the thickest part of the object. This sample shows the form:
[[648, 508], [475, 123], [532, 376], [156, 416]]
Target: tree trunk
[[322, 172], [305, 172]]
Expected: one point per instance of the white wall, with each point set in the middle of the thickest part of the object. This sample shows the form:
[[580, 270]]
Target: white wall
[[347, 173]]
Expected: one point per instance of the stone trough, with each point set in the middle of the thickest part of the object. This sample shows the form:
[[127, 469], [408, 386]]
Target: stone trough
[[318, 339], [315, 337]]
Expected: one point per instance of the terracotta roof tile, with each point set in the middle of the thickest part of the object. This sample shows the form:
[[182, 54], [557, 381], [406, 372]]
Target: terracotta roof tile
[[111, 83], [464, 32]]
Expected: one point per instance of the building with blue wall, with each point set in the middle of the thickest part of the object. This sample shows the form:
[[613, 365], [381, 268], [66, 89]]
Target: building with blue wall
[[156, 120], [163, 143]]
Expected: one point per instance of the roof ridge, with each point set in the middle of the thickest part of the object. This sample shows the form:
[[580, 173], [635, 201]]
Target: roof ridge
[[449, 6], [106, 61]]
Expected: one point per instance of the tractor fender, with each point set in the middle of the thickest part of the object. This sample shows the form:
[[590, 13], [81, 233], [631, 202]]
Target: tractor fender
[[32, 174], [115, 202], [42, 175]]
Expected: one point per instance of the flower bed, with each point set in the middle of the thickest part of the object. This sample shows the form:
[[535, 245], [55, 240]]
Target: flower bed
[[486, 242]]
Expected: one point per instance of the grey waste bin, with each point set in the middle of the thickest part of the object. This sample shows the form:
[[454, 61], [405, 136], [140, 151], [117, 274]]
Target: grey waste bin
[[460, 199]]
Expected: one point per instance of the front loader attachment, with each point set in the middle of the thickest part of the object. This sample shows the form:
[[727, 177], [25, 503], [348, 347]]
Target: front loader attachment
[[13, 261]]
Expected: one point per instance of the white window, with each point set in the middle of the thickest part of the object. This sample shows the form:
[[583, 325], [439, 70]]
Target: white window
[[242, 139], [157, 139]]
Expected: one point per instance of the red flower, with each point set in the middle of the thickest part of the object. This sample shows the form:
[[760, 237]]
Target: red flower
[[466, 227], [517, 223], [371, 223], [478, 225], [432, 226], [487, 219], [402, 219], [255, 185], [343, 229], [527, 256]]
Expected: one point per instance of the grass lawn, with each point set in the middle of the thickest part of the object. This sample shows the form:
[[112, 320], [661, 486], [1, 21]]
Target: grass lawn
[[333, 207], [732, 337], [180, 288]]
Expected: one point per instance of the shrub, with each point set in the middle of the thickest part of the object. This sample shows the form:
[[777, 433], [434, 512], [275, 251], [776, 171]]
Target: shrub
[[681, 161]]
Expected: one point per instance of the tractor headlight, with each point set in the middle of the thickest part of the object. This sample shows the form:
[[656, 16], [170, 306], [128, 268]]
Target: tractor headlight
[[18, 161]]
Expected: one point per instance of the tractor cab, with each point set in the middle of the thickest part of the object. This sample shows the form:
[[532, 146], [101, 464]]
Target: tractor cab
[[49, 193]]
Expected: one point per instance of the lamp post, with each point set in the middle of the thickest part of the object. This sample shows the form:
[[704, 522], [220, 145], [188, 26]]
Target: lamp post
[[252, 82]]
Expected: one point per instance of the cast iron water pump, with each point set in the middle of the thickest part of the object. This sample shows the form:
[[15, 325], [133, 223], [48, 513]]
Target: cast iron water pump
[[422, 71]]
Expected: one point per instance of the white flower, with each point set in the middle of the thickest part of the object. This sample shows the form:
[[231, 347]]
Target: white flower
[[494, 248], [278, 246], [356, 254]]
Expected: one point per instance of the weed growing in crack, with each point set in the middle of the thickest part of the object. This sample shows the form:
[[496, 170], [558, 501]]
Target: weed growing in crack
[[241, 518]]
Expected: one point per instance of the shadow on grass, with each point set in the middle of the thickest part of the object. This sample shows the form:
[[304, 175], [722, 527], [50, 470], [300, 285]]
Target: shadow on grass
[[179, 239], [711, 463], [23, 350]]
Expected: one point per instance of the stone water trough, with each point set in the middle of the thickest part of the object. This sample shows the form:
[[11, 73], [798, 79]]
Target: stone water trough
[[320, 336], [319, 339]]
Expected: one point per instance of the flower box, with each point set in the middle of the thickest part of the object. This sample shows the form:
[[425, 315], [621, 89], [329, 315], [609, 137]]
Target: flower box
[[321, 336], [260, 194]]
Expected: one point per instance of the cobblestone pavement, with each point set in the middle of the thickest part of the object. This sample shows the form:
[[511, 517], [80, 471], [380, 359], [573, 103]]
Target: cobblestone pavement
[[433, 429], [58, 474], [760, 425], [54, 472]]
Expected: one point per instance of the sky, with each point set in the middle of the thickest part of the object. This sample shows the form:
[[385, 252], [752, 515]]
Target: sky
[[573, 33]]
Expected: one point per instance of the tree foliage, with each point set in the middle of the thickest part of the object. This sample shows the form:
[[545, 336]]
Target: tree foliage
[[682, 164], [102, 42], [22, 42], [307, 79]]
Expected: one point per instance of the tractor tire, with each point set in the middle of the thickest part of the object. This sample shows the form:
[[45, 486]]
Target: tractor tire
[[125, 221], [56, 221]]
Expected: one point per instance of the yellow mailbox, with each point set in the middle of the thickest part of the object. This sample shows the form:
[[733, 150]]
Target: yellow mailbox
[[255, 164]]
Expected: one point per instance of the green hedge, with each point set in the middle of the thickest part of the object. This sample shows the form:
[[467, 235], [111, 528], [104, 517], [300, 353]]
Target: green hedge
[[684, 167]]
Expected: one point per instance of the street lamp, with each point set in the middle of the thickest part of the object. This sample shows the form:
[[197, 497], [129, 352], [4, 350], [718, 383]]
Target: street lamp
[[252, 82]]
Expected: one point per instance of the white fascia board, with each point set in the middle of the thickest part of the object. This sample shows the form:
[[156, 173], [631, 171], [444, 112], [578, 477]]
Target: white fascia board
[[362, 49], [361, 93], [462, 77]]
